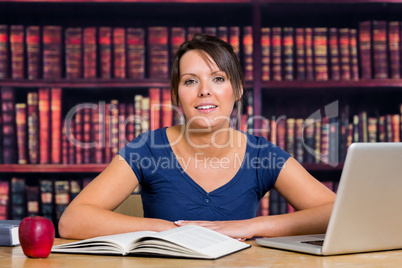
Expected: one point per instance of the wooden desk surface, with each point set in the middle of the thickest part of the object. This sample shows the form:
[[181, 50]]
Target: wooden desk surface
[[255, 256]]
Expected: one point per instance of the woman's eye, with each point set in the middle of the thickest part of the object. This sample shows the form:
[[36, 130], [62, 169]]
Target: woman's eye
[[219, 79], [189, 82]]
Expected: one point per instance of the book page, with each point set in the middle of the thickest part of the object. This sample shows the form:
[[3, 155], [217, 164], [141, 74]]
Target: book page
[[202, 240]]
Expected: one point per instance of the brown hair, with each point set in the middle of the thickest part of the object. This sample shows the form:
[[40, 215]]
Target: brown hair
[[221, 53]]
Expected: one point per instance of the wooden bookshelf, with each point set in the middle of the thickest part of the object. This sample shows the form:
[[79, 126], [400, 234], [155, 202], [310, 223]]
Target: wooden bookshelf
[[52, 168]]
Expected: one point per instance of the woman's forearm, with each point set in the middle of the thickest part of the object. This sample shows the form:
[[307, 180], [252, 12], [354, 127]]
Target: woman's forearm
[[308, 221], [88, 221]]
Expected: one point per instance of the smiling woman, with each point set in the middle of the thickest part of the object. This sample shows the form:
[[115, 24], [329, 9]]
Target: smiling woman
[[202, 172]]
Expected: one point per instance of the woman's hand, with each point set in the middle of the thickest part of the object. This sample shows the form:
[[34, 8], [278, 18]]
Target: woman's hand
[[240, 229]]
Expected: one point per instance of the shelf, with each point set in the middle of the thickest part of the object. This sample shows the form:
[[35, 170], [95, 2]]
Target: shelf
[[373, 83], [49, 168], [328, 1]]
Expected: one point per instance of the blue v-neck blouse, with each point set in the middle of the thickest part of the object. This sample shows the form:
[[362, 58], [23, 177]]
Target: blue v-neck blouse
[[169, 193]]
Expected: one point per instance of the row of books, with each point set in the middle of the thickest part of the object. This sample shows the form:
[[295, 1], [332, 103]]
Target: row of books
[[90, 132], [35, 52], [326, 140], [371, 51]]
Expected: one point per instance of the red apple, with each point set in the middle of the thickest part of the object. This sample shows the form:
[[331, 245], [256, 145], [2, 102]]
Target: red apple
[[36, 236]]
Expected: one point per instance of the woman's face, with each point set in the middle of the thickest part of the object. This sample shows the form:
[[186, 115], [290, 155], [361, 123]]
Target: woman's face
[[205, 92]]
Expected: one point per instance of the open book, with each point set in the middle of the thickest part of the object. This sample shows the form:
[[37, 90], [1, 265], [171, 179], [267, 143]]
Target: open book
[[188, 241]]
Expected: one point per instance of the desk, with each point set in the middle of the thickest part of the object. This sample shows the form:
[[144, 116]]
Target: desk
[[255, 256]]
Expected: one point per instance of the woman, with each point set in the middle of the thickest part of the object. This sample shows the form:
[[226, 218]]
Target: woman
[[203, 172]]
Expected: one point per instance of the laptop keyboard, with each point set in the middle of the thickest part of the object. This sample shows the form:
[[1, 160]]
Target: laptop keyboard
[[314, 242]]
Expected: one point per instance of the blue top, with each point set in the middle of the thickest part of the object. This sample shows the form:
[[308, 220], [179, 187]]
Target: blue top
[[169, 193]]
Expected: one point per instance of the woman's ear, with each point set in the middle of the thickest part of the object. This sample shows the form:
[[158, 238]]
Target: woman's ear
[[239, 97]]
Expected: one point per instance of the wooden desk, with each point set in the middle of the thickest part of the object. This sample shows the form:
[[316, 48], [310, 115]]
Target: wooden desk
[[255, 256]]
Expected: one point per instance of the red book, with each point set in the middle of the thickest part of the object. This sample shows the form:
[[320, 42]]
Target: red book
[[90, 52], [158, 54], [266, 54], [393, 48], [334, 54], [98, 126], [33, 51], [105, 51], [380, 49], [70, 133], [52, 52], [17, 47], [21, 123], [344, 41], [64, 145], [122, 126], [281, 133], [167, 111], [288, 47], [320, 44], [248, 52], [136, 52], [276, 53], [396, 128], [4, 51], [138, 115], [119, 52], [55, 110], [234, 39], [177, 37], [300, 54], [273, 134], [44, 126], [107, 151], [130, 128], [210, 31], [9, 133], [365, 49], [73, 50], [4, 199], [33, 128], [155, 106]]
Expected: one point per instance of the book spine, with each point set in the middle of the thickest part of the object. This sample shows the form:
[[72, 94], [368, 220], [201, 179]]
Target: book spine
[[52, 51], [177, 37], [234, 39], [158, 53], [62, 197], [18, 201], [345, 53], [334, 54], [105, 51], [154, 97], [308, 37], [290, 136], [4, 51], [55, 111], [33, 128], [33, 51], [73, 52], [4, 199], [17, 47], [90, 53], [78, 131], [138, 115], [44, 125], [365, 49], [136, 53], [130, 122], [393, 48], [222, 33], [46, 188], [380, 50], [122, 125], [248, 52], [276, 53], [145, 112], [288, 47], [266, 54], [210, 31], [114, 127], [299, 152], [32, 199], [320, 54], [166, 111], [119, 52], [354, 62], [86, 135], [21, 123], [300, 55], [9, 133], [191, 31], [98, 125]]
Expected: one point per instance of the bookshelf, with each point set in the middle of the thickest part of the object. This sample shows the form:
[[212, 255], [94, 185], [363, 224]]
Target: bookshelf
[[270, 99]]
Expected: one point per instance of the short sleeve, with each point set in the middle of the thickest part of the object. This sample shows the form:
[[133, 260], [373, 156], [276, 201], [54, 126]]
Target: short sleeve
[[271, 161]]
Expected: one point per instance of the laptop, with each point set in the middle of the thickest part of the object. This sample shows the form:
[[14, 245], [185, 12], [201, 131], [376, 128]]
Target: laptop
[[367, 214]]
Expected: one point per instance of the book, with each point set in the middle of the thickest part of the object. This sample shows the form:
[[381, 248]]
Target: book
[[185, 242], [9, 232]]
